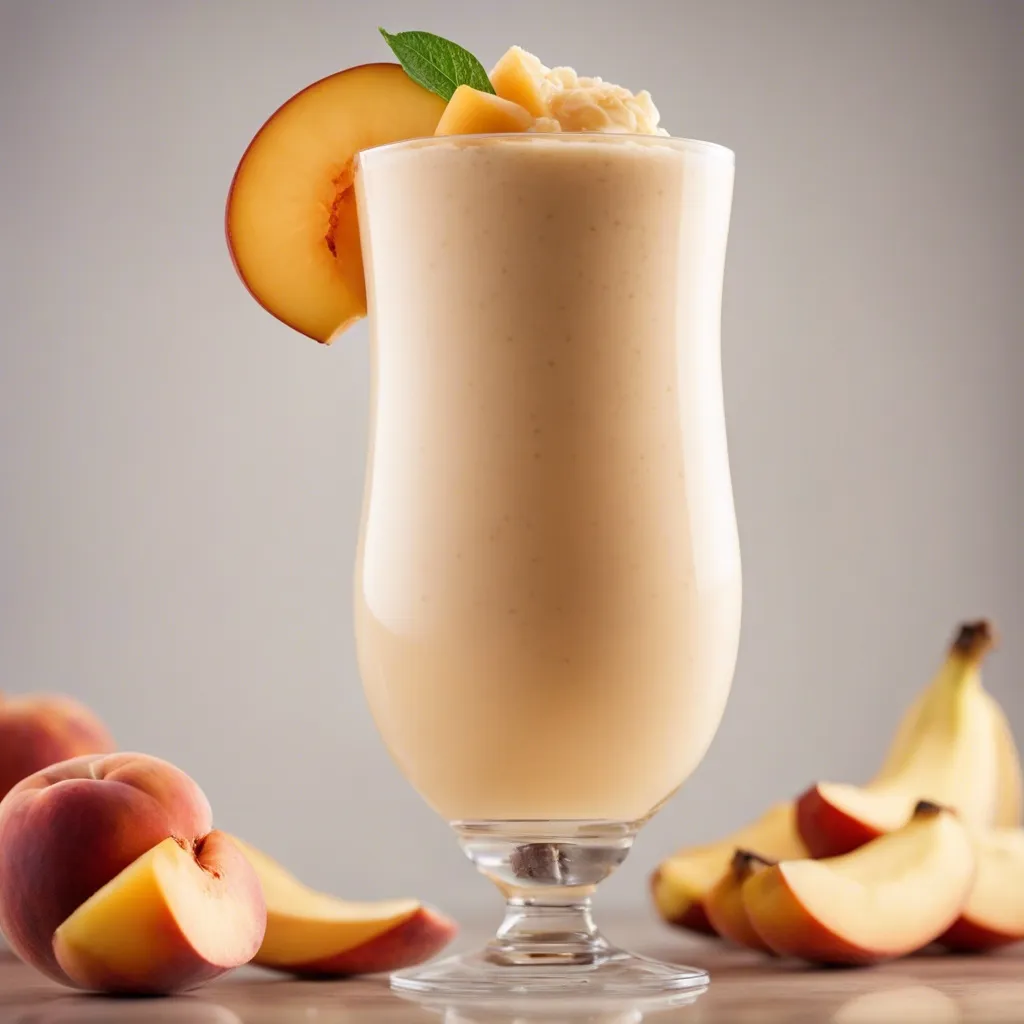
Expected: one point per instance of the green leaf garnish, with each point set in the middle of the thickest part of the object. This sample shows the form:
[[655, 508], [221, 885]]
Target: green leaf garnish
[[437, 64]]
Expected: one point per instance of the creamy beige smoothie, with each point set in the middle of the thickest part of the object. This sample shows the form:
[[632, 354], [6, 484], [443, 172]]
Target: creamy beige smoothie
[[548, 579]]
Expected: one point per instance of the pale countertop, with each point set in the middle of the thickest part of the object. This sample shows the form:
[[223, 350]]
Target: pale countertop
[[745, 987]]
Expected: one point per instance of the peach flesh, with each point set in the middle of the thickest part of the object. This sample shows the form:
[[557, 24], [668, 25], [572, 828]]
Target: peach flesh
[[290, 219], [175, 918]]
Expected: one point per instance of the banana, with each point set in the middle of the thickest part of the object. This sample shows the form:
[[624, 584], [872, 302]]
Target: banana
[[1010, 782], [954, 739], [1010, 795]]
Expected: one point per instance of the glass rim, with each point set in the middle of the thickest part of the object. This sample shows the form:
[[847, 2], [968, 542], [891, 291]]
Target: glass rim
[[710, 149]]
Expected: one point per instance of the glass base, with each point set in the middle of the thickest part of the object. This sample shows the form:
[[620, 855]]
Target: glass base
[[548, 947], [616, 977]]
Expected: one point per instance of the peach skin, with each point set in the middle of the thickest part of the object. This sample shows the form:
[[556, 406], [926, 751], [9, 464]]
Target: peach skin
[[36, 731]]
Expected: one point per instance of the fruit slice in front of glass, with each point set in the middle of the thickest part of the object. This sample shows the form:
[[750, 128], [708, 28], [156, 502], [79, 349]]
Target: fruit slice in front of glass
[[548, 579]]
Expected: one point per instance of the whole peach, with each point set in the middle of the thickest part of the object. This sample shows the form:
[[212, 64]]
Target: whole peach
[[36, 731], [69, 829]]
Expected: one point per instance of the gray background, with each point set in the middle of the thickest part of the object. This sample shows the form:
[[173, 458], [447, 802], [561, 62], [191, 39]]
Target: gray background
[[180, 475]]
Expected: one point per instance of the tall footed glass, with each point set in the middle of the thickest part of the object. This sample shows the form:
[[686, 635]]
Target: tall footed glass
[[548, 580]]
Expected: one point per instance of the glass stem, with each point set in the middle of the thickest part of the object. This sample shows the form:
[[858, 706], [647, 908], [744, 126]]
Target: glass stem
[[547, 872], [539, 930]]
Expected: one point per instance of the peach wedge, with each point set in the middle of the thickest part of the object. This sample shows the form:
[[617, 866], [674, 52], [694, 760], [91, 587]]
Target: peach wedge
[[893, 896], [994, 914], [311, 934], [172, 920], [724, 904], [291, 221]]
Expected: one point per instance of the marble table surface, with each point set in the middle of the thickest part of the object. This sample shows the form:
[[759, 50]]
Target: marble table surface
[[744, 987]]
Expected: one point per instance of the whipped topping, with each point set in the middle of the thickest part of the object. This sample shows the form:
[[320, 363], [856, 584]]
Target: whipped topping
[[572, 103]]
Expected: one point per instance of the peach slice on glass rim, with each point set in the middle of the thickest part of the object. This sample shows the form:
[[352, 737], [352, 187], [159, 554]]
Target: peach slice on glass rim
[[291, 220]]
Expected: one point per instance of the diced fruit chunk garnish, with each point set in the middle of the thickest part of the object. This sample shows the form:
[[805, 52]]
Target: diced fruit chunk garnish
[[471, 112], [562, 101], [291, 214], [517, 77]]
